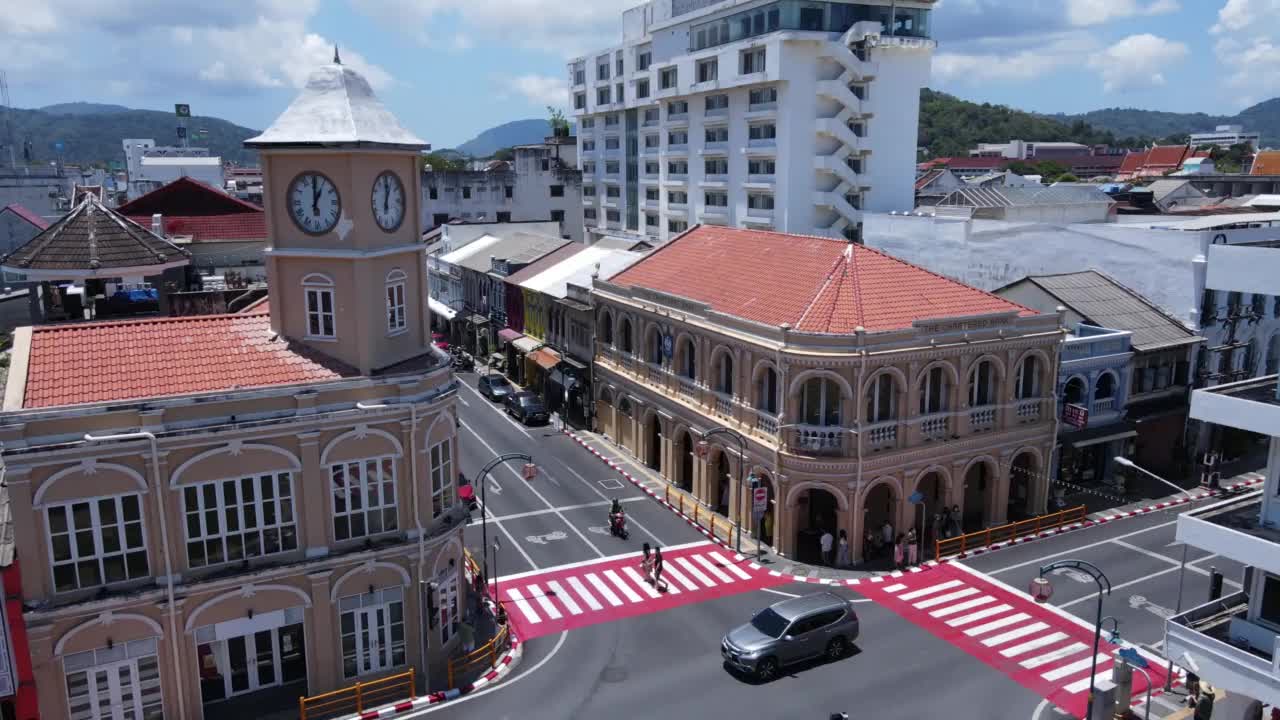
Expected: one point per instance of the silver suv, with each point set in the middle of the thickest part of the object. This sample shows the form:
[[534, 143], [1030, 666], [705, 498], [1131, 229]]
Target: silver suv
[[792, 631]]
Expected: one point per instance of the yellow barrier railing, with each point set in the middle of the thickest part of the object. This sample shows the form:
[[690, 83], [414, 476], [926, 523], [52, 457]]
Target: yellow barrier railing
[[719, 526], [982, 538], [486, 655], [358, 698]]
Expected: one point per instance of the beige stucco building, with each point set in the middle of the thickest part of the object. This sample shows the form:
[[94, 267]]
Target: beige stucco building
[[854, 380], [218, 514]]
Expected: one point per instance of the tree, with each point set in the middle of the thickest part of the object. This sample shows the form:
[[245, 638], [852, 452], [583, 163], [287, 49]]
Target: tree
[[505, 153], [441, 162], [1067, 177], [559, 126]]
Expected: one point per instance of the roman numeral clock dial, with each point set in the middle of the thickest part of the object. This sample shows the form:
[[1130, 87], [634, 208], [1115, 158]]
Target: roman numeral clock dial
[[314, 203], [388, 201]]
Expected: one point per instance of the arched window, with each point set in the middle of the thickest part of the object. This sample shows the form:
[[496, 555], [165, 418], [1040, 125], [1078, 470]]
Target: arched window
[[1028, 381], [607, 329], [724, 374], [934, 391], [318, 291], [820, 402], [395, 301], [624, 407], [982, 384], [767, 391], [653, 346], [1105, 387], [688, 363], [882, 400], [606, 397], [1075, 392], [1273, 351], [626, 336]]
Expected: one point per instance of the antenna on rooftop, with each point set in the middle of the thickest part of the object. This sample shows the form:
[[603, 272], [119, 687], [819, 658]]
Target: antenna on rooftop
[[7, 138], [336, 60]]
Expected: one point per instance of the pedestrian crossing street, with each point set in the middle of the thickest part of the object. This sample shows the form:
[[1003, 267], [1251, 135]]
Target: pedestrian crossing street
[[1035, 646], [573, 596]]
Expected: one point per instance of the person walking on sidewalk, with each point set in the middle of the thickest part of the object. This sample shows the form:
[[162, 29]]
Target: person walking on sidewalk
[[898, 551], [826, 541], [842, 554], [913, 548], [658, 582], [886, 536]]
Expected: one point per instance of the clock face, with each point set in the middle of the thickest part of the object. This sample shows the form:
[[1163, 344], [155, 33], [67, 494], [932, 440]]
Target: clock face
[[388, 201], [314, 203]]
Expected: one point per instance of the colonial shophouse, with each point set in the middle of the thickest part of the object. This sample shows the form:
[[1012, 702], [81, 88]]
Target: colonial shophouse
[[217, 514], [854, 378]]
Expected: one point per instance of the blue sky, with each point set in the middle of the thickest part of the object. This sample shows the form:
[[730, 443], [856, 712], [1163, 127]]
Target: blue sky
[[451, 68]]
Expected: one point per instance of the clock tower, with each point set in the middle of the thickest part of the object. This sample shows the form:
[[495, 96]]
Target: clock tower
[[341, 190]]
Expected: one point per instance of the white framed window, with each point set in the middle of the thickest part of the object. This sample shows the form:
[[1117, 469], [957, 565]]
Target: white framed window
[[395, 301], [442, 478], [371, 627], [820, 402], [882, 400], [752, 60], [934, 391], [120, 681], [1029, 378], [320, 306], [239, 518], [97, 542], [364, 497], [981, 389], [447, 618]]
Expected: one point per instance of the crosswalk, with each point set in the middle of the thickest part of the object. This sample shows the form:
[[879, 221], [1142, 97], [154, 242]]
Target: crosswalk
[[572, 596], [1034, 645]]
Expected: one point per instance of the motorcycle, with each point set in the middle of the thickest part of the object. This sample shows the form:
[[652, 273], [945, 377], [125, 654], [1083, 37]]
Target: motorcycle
[[618, 525], [462, 362]]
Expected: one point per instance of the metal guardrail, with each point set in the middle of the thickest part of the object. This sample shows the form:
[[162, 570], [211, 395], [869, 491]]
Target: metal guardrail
[[688, 506], [358, 698], [982, 538], [483, 656]]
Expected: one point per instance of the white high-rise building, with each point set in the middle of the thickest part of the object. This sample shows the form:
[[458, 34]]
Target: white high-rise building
[[792, 115]]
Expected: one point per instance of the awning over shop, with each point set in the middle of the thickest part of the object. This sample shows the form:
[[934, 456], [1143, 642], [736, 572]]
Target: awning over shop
[[1097, 435], [526, 344], [562, 378], [508, 335], [441, 309], [546, 358]]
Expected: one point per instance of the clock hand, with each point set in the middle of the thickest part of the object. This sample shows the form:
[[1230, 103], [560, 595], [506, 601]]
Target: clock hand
[[386, 195], [315, 195]]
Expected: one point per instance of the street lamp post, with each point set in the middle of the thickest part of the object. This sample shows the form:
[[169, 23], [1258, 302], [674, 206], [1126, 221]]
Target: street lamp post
[[1041, 590], [530, 472], [704, 446], [1182, 571], [501, 614]]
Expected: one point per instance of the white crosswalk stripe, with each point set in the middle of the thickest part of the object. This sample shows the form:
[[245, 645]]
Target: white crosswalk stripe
[[1035, 644], [894, 588], [979, 615], [640, 582], [623, 585], [603, 589], [564, 597], [679, 577], [524, 606], [711, 568], [1061, 653], [695, 572], [944, 599], [551, 610], [961, 607], [930, 590], [1014, 634], [581, 589], [1065, 671], [997, 624], [1082, 685], [730, 566]]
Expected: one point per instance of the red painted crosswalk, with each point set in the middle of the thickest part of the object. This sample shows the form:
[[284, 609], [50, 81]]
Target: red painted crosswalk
[[1039, 648], [573, 596]]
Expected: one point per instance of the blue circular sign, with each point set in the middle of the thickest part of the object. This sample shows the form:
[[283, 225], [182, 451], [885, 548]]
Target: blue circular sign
[[668, 346]]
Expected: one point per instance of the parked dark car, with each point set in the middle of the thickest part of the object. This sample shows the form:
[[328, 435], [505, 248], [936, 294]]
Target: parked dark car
[[494, 387], [526, 407]]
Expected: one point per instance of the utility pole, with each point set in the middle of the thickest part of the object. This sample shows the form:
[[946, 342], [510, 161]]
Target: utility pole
[[8, 120]]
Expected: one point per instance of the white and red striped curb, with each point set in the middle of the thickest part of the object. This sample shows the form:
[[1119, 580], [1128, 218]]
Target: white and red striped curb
[[500, 669]]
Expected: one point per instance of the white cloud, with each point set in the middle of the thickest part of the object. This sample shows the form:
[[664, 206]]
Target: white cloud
[[563, 27], [1137, 61], [1248, 47], [1006, 60], [1095, 12], [539, 89]]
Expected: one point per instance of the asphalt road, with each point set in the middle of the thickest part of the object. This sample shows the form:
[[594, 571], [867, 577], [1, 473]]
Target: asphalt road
[[667, 664]]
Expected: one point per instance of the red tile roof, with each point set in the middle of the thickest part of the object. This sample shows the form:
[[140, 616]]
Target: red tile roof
[[1133, 162], [186, 196], [28, 215], [816, 284], [162, 357], [924, 180], [1266, 162], [235, 226], [1166, 156]]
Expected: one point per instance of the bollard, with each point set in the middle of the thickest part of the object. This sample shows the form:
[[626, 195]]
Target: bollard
[[1122, 676]]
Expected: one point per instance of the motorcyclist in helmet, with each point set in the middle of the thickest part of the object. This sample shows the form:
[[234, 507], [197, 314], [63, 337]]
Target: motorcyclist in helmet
[[615, 515]]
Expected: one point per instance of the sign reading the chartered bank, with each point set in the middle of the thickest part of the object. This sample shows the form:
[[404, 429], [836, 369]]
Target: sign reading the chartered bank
[[668, 346], [1077, 416]]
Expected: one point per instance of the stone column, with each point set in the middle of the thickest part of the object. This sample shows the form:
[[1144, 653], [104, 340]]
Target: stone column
[[998, 499], [312, 497], [782, 520], [324, 649], [857, 521]]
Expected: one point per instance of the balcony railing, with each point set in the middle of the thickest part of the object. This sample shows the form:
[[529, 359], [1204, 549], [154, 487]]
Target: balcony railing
[[628, 361], [982, 418], [688, 388], [818, 439], [935, 427], [655, 374], [724, 406], [1028, 410], [1104, 405], [766, 423], [881, 435]]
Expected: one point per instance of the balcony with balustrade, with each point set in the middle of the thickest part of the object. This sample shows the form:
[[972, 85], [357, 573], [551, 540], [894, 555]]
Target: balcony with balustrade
[[817, 440], [982, 419]]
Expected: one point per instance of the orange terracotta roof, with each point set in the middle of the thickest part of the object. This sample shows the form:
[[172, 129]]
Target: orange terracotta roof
[[1133, 162], [163, 357], [815, 284], [1266, 162], [1166, 156], [206, 228]]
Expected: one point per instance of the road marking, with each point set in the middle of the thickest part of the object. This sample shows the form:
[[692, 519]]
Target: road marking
[[1104, 661], [539, 495], [930, 590], [1073, 668], [961, 607], [695, 572], [524, 606], [610, 484], [944, 599], [632, 595], [587, 597], [1054, 656], [1030, 645], [1176, 563], [1040, 560], [894, 588], [975, 616], [1014, 634], [631, 521], [603, 589], [485, 401], [634, 577], [545, 511], [997, 624], [730, 566], [705, 563], [537, 594], [503, 529], [597, 561], [1092, 596], [564, 597], [679, 577]]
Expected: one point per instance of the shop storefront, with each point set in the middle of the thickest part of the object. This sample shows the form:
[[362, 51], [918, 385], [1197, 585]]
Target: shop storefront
[[569, 392], [477, 335], [504, 350], [252, 665], [538, 366], [517, 352], [1087, 456]]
